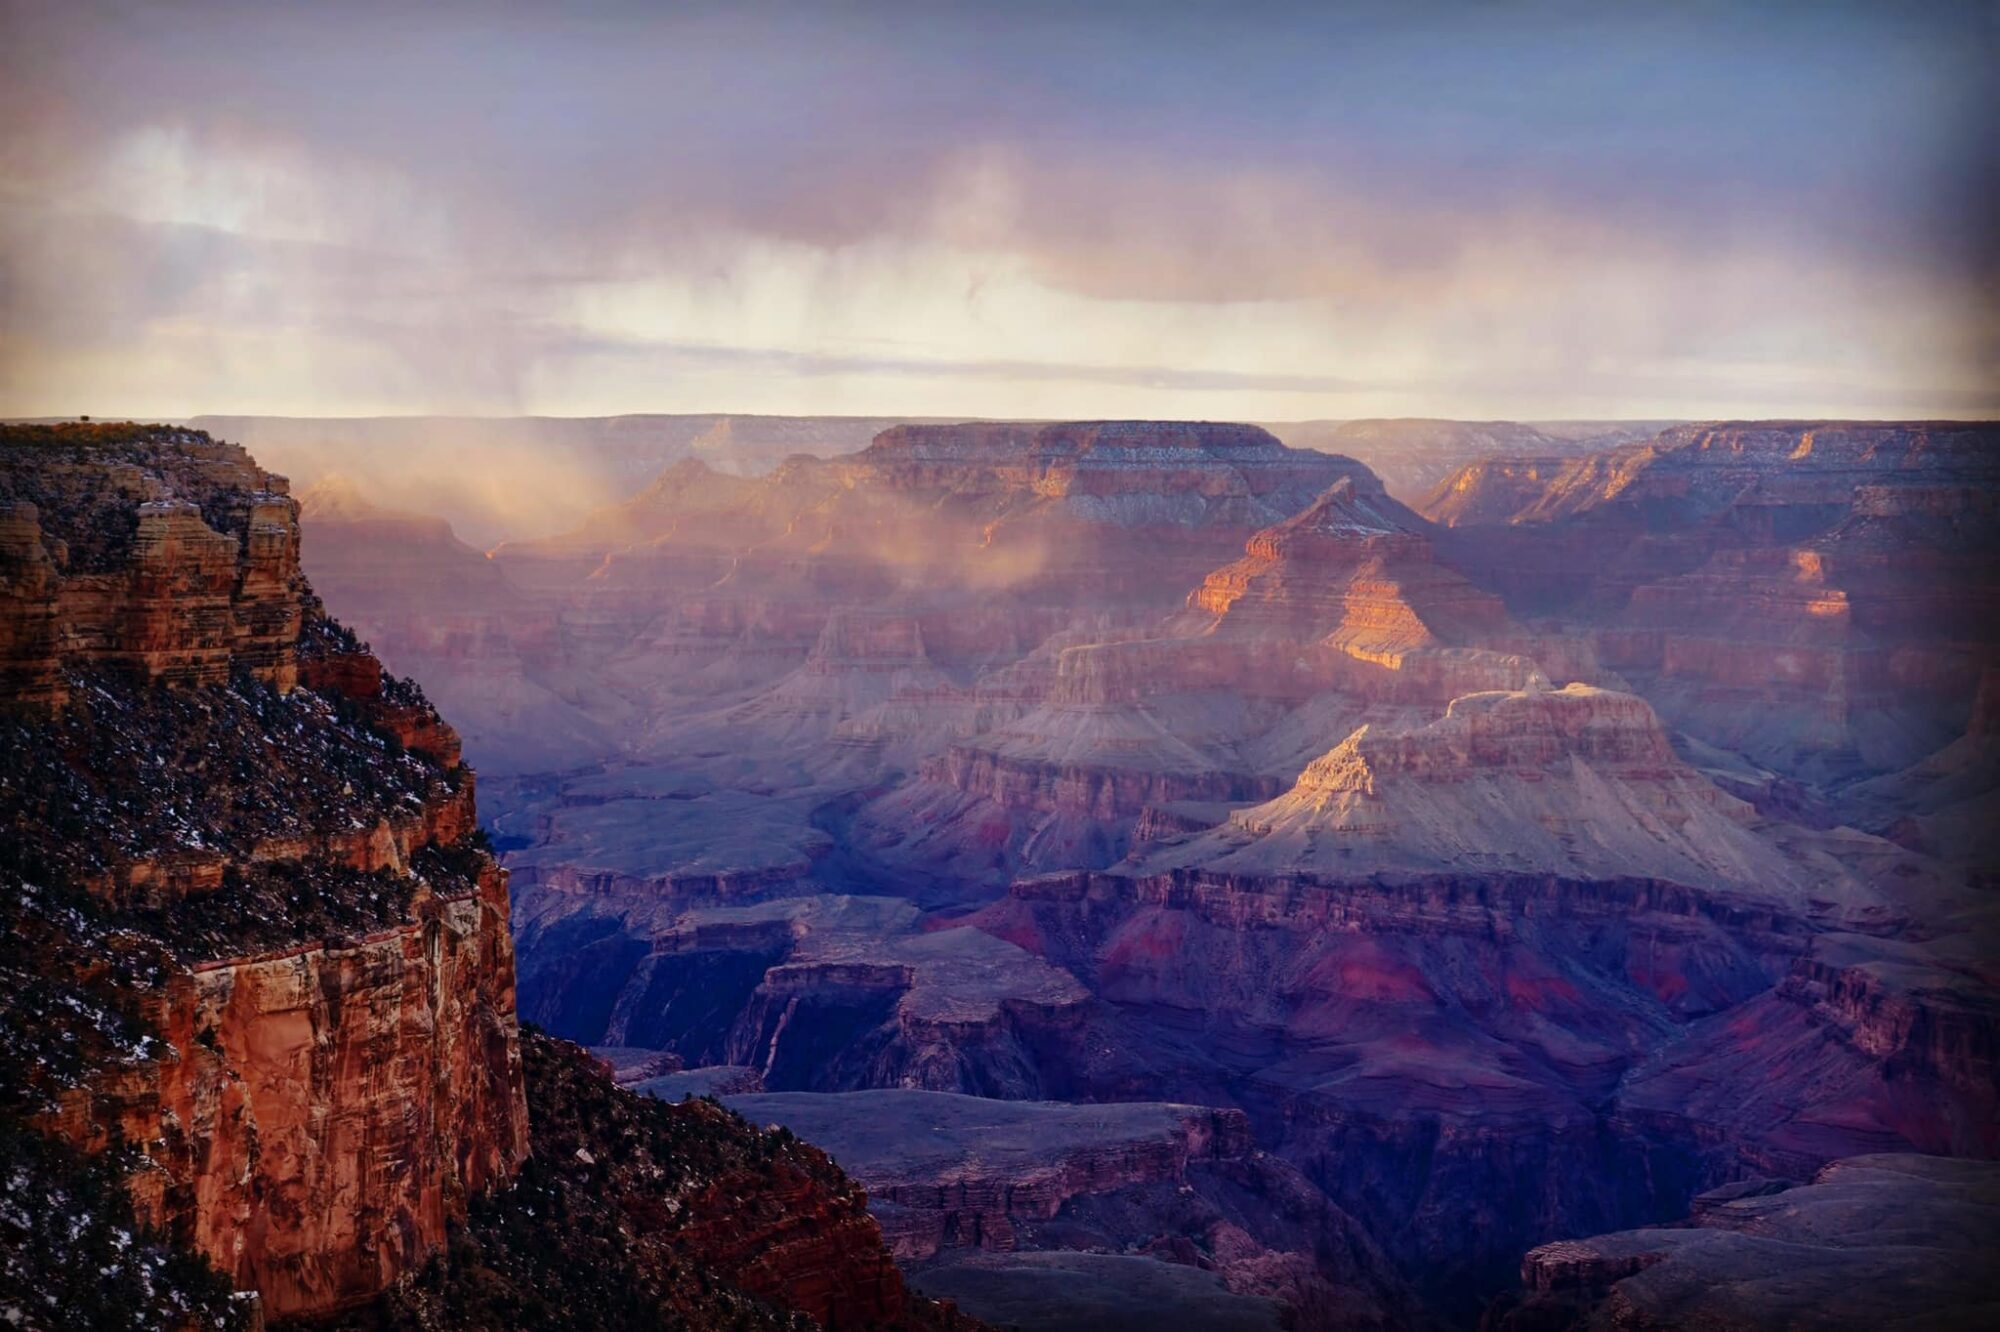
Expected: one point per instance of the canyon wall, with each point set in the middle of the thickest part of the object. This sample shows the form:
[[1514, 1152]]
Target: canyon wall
[[261, 1008], [1517, 872], [333, 1069]]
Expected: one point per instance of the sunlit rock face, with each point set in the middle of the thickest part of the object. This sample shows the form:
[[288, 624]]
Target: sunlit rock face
[[173, 555], [315, 944], [1579, 782], [257, 1017]]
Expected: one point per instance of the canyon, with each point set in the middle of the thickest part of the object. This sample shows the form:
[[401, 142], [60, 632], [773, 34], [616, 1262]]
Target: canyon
[[1512, 863], [1174, 873]]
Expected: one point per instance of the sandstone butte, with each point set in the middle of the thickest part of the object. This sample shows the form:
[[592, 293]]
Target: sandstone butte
[[259, 1023]]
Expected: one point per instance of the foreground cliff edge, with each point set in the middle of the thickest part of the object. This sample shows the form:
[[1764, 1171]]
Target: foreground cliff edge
[[259, 1056]]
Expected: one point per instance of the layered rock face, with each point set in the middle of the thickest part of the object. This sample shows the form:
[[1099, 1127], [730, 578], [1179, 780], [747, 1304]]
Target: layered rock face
[[325, 1111], [1816, 596], [1015, 1180], [260, 1011], [1871, 1242], [180, 560], [332, 1070], [1413, 454]]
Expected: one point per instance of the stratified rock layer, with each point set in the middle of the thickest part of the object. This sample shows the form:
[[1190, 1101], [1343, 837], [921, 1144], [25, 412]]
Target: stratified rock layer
[[1819, 596], [176, 557], [1871, 1242], [263, 971]]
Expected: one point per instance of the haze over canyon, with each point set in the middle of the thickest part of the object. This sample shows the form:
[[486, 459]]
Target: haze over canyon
[[900, 667], [1172, 874]]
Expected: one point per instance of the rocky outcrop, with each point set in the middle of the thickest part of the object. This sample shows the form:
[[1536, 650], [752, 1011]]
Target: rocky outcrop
[[261, 1005], [157, 551], [1183, 1185], [1818, 596], [632, 1213], [331, 1070], [324, 1110], [1871, 1242], [1578, 782]]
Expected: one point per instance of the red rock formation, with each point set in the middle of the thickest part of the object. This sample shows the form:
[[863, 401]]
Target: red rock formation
[[1820, 597], [177, 560], [324, 1105], [271, 952], [325, 1110]]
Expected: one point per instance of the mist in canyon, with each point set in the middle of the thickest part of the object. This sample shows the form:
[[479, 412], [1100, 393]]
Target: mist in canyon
[[1446, 870], [937, 668]]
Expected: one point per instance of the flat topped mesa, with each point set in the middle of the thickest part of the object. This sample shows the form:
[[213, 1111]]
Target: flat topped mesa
[[1105, 457], [1013, 440], [152, 549]]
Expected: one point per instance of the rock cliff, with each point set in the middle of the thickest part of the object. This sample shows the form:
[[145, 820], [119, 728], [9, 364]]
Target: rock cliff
[[1818, 596], [1871, 1242], [1183, 1184], [260, 1016], [324, 968], [176, 557]]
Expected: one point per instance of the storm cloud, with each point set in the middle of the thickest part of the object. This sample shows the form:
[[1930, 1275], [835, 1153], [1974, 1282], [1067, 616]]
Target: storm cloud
[[1245, 210]]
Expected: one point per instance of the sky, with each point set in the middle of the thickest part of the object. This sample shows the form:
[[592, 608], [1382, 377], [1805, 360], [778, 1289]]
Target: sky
[[1222, 211]]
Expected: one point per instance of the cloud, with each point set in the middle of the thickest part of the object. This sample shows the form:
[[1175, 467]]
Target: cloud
[[1329, 210]]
